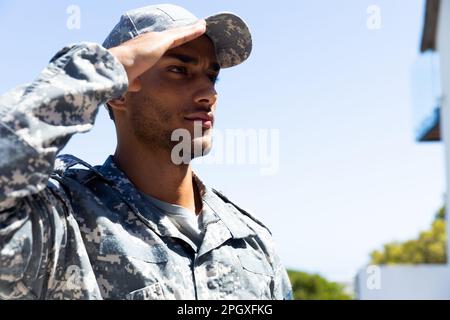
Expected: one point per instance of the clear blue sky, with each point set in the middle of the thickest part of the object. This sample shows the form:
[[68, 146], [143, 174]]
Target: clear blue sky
[[351, 175]]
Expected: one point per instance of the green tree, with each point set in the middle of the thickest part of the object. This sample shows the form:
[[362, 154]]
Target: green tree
[[429, 247], [314, 287]]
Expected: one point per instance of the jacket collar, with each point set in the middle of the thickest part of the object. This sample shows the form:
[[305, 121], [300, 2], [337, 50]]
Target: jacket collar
[[129, 193], [219, 220]]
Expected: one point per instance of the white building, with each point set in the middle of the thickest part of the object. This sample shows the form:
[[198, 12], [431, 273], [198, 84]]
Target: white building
[[431, 87]]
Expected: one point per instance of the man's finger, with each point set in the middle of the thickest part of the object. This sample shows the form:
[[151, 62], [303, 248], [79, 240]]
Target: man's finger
[[183, 35]]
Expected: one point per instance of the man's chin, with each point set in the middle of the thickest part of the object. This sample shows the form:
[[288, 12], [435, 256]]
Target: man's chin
[[185, 149], [200, 149]]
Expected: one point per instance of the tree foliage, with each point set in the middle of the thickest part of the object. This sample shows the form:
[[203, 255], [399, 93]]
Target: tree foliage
[[314, 287], [429, 247]]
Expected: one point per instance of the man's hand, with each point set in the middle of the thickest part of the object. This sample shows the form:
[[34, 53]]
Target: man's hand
[[141, 53]]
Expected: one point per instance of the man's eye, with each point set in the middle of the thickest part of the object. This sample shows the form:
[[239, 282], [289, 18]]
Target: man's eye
[[180, 70], [214, 78]]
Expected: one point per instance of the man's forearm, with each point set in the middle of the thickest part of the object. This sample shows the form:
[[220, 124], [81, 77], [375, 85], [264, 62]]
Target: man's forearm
[[37, 120]]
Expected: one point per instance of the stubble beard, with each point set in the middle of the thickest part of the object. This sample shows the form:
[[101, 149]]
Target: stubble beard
[[152, 130]]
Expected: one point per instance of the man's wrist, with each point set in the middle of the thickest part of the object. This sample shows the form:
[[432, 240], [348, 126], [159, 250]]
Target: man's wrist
[[124, 57]]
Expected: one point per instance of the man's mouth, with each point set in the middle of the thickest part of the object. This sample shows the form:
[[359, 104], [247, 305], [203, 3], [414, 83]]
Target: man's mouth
[[205, 119]]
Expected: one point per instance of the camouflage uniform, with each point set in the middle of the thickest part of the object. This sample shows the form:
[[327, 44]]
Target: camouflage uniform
[[88, 233]]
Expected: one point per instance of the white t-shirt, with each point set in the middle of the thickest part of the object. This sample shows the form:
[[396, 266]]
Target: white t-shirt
[[186, 221]]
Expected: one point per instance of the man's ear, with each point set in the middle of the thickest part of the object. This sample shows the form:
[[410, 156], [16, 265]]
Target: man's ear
[[118, 104]]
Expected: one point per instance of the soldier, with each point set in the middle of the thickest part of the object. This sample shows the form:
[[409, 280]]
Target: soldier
[[139, 226]]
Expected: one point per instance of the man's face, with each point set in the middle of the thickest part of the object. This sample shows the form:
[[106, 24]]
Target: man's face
[[178, 92]]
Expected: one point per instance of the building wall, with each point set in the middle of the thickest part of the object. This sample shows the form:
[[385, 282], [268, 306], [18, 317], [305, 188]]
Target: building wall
[[443, 47], [404, 283]]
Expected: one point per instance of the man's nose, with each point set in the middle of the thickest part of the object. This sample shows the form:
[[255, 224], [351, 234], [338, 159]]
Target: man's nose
[[206, 96]]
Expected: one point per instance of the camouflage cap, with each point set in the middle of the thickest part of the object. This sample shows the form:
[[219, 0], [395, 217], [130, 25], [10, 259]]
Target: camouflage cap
[[229, 33]]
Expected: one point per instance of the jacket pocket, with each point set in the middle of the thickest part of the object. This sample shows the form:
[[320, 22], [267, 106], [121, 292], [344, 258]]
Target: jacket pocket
[[257, 276], [256, 264]]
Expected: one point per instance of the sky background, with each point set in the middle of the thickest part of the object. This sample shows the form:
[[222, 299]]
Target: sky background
[[351, 176]]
